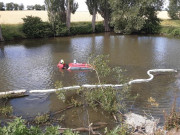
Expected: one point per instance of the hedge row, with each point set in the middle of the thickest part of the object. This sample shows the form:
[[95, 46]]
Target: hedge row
[[34, 27]]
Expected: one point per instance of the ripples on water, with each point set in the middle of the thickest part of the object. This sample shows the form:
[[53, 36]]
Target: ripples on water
[[31, 64]]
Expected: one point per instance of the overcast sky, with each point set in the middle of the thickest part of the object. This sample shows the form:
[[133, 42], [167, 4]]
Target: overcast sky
[[82, 5]]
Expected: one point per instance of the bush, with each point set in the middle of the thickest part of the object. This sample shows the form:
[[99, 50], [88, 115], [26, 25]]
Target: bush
[[18, 127], [61, 30], [12, 32], [81, 29], [99, 27], [171, 31], [34, 27]]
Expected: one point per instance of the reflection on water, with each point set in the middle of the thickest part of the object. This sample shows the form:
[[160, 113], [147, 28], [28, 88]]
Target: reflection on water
[[32, 64]]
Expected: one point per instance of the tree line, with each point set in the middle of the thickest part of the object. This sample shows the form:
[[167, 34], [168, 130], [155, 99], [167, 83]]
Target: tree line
[[124, 16], [14, 6]]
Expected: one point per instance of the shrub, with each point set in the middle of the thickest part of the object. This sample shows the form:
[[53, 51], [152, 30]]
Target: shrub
[[40, 119], [6, 110], [12, 32], [99, 27], [81, 29], [34, 27], [18, 127], [61, 30], [171, 31]]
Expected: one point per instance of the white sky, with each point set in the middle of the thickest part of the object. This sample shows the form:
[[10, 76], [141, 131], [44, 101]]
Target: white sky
[[82, 4]]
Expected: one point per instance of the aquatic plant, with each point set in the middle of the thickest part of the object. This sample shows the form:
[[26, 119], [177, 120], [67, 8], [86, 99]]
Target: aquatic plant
[[6, 110], [41, 119]]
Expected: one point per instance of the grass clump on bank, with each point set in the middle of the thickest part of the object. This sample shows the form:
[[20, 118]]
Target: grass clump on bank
[[170, 28]]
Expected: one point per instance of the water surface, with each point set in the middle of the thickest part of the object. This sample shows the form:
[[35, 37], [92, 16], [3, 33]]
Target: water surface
[[32, 64]]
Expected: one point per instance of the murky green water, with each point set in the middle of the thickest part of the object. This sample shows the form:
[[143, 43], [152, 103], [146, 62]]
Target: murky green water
[[32, 64]]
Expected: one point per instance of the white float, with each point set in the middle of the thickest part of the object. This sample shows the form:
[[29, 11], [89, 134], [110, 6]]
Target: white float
[[151, 76]]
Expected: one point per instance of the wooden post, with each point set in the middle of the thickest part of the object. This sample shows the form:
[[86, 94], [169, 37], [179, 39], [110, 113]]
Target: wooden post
[[1, 37]]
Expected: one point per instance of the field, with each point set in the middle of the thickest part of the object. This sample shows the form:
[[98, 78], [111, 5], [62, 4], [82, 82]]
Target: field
[[15, 17]]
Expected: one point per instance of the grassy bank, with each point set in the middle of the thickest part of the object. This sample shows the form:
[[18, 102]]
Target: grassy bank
[[170, 28]]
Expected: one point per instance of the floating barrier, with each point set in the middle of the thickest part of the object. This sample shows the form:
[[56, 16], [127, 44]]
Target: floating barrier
[[149, 72]]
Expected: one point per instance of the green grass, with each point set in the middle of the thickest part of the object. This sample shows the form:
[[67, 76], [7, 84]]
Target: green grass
[[170, 28], [12, 32]]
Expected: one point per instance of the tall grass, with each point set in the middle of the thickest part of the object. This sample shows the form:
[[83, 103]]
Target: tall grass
[[12, 32], [170, 28]]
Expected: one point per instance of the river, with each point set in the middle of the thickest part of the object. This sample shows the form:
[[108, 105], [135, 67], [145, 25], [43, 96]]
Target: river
[[32, 65]]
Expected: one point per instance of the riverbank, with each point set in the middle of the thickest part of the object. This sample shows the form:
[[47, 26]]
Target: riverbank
[[14, 31], [170, 28]]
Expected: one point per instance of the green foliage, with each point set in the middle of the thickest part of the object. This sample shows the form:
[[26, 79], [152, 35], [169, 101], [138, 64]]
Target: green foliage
[[6, 110], [70, 132], [174, 8], [133, 16], [15, 128], [106, 98], [119, 130], [18, 127], [33, 27], [61, 30], [172, 120], [41, 119], [92, 5], [109, 98], [83, 29], [12, 32], [104, 9], [170, 28], [73, 6], [99, 27], [100, 65], [52, 130], [170, 31]]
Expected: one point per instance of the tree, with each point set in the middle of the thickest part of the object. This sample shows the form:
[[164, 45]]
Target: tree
[[37, 7], [21, 7], [2, 8], [71, 8], [30, 7], [43, 7], [9, 6], [104, 10], [174, 9], [16, 6], [130, 16], [59, 11], [93, 8], [56, 12]]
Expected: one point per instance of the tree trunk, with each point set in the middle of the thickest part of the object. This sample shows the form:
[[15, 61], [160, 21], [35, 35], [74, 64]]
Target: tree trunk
[[106, 18], [1, 37], [94, 19], [68, 16], [106, 24]]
